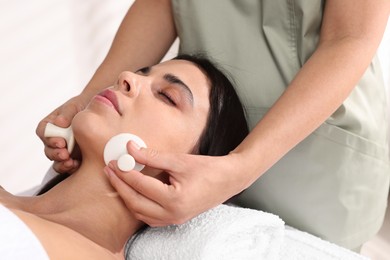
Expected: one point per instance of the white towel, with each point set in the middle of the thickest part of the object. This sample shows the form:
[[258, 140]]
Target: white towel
[[17, 241], [299, 245], [224, 232], [228, 233]]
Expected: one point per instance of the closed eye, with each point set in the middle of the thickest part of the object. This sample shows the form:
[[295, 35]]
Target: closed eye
[[144, 70], [167, 97]]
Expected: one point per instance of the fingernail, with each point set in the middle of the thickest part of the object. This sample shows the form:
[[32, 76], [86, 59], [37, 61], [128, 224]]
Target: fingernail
[[135, 145]]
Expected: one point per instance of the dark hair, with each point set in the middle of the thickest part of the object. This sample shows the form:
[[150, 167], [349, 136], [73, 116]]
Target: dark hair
[[226, 124]]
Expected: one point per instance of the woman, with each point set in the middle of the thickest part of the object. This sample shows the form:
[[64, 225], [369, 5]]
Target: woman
[[317, 154], [179, 106]]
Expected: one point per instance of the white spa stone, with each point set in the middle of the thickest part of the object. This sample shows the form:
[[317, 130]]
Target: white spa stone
[[126, 162], [115, 149], [56, 131]]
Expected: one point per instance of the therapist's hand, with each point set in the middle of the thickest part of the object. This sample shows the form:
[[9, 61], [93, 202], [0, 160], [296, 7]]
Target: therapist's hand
[[55, 147], [196, 184]]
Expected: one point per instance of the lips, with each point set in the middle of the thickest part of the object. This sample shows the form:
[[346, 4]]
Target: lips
[[110, 96]]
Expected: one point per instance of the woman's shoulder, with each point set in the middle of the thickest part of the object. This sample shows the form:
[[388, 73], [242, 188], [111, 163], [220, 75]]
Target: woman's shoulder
[[60, 241]]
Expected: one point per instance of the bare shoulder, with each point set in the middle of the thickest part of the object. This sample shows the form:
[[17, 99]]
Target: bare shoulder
[[61, 242]]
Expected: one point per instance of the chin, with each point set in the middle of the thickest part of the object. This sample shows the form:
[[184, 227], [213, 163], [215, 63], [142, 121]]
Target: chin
[[90, 131]]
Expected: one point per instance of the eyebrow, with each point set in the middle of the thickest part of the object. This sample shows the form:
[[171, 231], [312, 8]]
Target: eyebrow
[[175, 80], [172, 79]]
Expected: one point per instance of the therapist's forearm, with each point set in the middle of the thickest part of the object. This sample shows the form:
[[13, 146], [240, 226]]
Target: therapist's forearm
[[308, 101], [320, 87], [143, 38]]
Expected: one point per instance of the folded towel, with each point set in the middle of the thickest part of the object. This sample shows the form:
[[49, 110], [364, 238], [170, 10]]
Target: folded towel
[[299, 245], [17, 241], [224, 232], [228, 232]]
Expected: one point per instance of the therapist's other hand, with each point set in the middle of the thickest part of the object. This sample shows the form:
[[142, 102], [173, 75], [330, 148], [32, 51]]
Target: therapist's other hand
[[196, 184], [55, 147]]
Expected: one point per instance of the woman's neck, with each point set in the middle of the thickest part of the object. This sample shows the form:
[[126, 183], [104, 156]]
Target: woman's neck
[[87, 203]]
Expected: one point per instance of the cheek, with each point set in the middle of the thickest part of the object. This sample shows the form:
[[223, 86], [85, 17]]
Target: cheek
[[90, 131], [175, 137], [183, 132]]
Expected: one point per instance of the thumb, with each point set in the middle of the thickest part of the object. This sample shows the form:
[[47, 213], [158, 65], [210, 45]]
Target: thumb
[[165, 161], [65, 116]]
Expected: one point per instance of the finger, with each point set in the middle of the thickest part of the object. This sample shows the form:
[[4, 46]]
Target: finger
[[40, 130], [72, 166], [66, 114], [149, 187], [68, 166], [71, 163], [153, 222], [61, 117], [64, 119], [154, 158], [135, 202], [59, 154], [55, 142]]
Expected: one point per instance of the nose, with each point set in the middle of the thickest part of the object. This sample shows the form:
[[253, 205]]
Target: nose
[[130, 83]]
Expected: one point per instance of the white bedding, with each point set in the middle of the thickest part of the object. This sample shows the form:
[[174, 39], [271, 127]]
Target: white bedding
[[225, 232], [17, 241], [232, 233]]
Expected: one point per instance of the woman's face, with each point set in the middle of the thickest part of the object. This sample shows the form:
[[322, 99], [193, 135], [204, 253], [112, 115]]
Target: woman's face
[[166, 105]]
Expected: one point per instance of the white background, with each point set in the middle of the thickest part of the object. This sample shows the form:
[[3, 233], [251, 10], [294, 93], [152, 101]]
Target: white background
[[49, 50]]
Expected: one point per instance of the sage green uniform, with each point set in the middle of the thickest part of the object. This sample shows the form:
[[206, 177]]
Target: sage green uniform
[[335, 183]]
